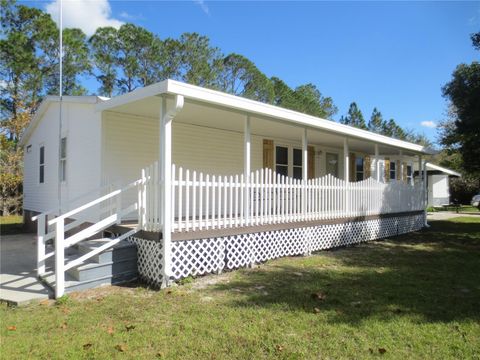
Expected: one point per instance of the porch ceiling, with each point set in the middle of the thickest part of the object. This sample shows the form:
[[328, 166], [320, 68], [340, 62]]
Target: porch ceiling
[[214, 116]]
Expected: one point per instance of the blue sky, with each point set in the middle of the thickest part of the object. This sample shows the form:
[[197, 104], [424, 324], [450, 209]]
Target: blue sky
[[392, 55]]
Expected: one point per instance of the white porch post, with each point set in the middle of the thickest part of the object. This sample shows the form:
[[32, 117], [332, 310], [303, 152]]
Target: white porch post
[[425, 193], [346, 175], [400, 153], [246, 169], [165, 161], [377, 163], [304, 186], [304, 171]]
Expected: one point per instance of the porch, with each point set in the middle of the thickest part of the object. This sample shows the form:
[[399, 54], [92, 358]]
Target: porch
[[218, 182]]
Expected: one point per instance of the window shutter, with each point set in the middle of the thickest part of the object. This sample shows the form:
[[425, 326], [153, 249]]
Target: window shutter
[[366, 167], [404, 172], [387, 170], [398, 170], [352, 166], [268, 154], [311, 162]]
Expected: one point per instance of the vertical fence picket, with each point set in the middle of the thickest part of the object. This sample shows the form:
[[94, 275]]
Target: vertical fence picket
[[187, 200], [194, 201], [200, 202]]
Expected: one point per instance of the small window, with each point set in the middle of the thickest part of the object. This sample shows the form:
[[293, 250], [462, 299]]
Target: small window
[[41, 177], [393, 170], [297, 164], [281, 156], [63, 159], [359, 169]]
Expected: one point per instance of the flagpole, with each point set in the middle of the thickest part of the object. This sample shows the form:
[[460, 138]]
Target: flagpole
[[60, 105]]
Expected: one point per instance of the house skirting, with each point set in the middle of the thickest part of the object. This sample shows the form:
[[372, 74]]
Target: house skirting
[[214, 254]]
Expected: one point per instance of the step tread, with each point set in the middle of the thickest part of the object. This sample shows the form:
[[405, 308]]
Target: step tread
[[91, 265], [70, 282], [95, 243]]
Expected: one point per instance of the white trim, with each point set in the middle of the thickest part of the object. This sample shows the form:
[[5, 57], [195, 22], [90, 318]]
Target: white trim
[[256, 108], [442, 169], [46, 103]]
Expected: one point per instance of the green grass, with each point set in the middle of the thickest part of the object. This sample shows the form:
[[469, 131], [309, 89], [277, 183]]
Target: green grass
[[414, 296], [11, 224], [465, 209]]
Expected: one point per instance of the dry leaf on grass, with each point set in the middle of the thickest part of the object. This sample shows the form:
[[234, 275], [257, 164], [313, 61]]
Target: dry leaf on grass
[[12, 328], [319, 296], [87, 346], [382, 350], [121, 347]]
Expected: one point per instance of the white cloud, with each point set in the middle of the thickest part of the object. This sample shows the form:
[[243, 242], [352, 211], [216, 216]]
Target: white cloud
[[203, 6], [429, 124], [87, 15]]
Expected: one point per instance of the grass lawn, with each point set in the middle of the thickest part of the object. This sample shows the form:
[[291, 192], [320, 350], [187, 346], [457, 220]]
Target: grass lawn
[[11, 224], [414, 296]]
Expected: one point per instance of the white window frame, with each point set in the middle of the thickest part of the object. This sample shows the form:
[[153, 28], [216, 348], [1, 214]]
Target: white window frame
[[363, 168], [394, 163], [41, 164], [63, 159], [290, 165], [410, 177]]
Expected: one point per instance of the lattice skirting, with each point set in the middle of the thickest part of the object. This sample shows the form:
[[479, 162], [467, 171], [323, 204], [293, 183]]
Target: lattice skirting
[[212, 255]]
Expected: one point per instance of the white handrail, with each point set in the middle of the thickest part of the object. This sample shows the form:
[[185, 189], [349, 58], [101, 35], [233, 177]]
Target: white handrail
[[51, 211], [94, 202]]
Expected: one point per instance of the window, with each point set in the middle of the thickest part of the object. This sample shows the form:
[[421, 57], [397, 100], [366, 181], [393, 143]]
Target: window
[[63, 159], [409, 174], [359, 169], [288, 161], [41, 176], [281, 156], [393, 170], [332, 164], [297, 164]]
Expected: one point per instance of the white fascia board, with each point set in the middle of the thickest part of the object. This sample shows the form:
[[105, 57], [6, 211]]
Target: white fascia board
[[138, 94], [442, 169], [258, 108], [44, 106]]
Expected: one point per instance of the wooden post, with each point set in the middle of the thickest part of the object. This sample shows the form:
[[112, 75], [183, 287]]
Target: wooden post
[[59, 259], [377, 163], [165, 160]]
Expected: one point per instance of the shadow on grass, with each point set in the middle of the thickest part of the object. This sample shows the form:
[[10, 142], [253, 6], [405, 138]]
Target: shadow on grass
[[432, 275]]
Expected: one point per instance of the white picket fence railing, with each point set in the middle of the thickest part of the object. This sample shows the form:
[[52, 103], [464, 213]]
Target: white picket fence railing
[[202, 201]]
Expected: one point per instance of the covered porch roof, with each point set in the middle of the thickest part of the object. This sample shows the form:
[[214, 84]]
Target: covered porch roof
[[214, 109]]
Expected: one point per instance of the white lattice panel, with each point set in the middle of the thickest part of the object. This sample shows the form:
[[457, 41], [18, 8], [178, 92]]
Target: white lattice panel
[[202, 256], [197, 257], [149, 261]]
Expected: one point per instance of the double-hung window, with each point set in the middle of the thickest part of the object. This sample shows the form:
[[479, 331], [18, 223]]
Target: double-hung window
[[393, 170], [288, 161]]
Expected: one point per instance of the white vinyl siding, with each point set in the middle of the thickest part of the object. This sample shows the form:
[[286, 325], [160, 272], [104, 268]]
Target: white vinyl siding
[[82, 122]]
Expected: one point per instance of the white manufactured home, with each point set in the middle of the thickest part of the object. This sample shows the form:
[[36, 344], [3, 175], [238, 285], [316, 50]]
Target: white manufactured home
[[201, 181]]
